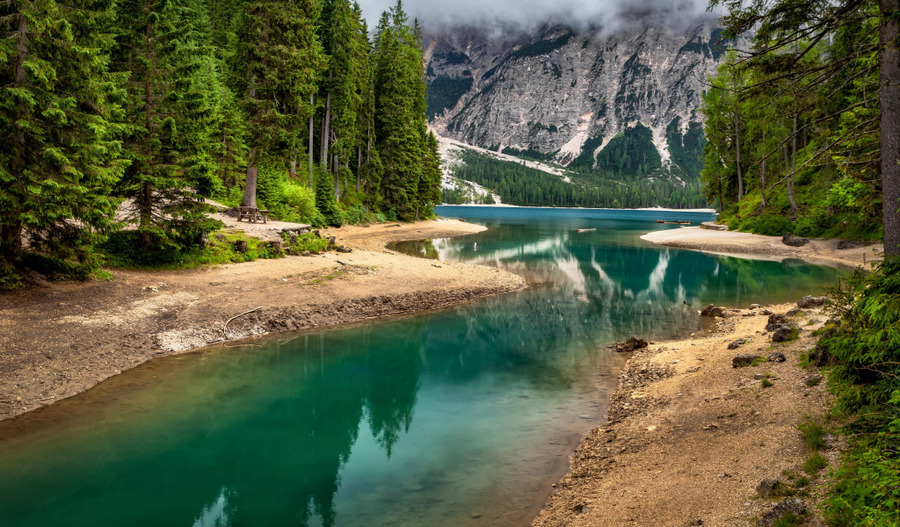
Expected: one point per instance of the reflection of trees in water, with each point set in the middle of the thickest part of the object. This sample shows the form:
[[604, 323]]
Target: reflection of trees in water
[[265, 438]]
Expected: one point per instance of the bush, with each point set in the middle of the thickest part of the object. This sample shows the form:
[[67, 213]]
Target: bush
[[866, 381], [767, 224], [814, 464]]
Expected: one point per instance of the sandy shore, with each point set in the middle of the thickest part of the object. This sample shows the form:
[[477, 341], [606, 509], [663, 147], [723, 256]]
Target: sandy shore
[[60, 340], [689, 437], [826, 252]]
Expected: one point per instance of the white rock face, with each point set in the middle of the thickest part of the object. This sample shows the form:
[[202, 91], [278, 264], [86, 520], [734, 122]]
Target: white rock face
[[555, 91]]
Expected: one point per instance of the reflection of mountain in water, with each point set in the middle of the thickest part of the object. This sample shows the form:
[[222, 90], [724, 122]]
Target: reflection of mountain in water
[[266, 436]]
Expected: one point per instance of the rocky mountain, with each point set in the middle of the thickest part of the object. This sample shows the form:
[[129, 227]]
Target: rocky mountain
[[621, 101]]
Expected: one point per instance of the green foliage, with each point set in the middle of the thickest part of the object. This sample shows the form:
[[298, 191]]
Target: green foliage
[[631, 152], [325, 201], [814, 463], [766, 383], [518, 184], [304, 242], [122, 250], [60, 110], [813, 435], [542, 47], [586, 158], [788, 519], [686, 148], [866, 381], [444, 92]]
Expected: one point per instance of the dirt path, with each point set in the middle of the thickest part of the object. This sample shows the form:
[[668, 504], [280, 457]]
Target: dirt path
[[60, 340], [827, 252], [690, 437]]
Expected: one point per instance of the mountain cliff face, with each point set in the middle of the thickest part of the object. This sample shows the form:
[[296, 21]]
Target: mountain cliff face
[[583, 98]]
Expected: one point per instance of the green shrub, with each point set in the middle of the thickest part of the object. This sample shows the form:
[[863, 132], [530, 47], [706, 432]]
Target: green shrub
[[813, 435], [787, 519], [304, 242], [814, 464], [767, 224]]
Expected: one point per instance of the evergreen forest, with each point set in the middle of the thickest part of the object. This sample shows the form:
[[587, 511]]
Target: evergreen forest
[[119, 118], [517, 184], [803, 133]]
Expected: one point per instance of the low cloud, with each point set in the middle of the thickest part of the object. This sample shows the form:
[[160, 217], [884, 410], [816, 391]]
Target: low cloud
[[528, 14]]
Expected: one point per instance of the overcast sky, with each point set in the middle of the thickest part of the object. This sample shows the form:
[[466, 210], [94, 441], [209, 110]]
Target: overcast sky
[[529, 13]]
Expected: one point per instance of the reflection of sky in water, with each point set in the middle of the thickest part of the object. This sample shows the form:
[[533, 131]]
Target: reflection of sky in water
[[418, 421]]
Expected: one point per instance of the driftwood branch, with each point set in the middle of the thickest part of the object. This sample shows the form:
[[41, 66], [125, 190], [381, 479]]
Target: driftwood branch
[[225, 327]]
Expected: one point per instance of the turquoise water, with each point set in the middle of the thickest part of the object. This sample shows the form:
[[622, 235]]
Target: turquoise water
[[460, 417]]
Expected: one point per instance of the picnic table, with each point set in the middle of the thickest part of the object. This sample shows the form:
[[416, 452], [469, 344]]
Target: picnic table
[[253, 214]]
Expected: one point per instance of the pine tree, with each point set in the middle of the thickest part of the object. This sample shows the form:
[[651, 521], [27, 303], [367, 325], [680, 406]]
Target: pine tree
[[278, 65], [171, 116], [58, 109], [399, 111]]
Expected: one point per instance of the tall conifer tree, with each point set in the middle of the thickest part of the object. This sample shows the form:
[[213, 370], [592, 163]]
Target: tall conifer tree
[[58, 107], [171, 115], [278, 65], [399, 112]]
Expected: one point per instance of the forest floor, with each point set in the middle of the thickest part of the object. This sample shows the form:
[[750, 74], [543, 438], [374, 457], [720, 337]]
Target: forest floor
[[61, 339], [689, 437], [829, 252]]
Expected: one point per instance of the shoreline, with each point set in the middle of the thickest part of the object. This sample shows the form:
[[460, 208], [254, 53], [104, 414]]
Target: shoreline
[[63, 339], [689, 438], [832, 252]]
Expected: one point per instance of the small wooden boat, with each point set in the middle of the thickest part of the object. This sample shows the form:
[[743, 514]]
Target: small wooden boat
[[660, 221], [585, 230], [682, 222]]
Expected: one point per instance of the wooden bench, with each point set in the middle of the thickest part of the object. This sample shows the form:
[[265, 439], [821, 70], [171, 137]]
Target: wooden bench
[[253, 214]]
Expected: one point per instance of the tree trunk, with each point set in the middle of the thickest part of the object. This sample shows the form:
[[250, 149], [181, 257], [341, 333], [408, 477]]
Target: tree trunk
[[762, 179], [326, 132], [312, 101], [11, 229], [249, 199], [794, 207], [337, 178], [144, 203], [737, 162], [789, 179], [889, 98], [358, 167]]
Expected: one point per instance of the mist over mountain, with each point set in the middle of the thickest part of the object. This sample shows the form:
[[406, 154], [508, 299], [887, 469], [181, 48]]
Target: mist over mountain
[[528, 15]]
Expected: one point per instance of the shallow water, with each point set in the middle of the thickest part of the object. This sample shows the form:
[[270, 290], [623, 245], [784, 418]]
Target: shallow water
[[460, 417]]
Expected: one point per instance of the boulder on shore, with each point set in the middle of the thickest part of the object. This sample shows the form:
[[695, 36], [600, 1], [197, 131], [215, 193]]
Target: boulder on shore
[[794, 506], [714, 311], [784, 333], [744, 360], [794, 241], [776, 321], [633, 343], [810, 301]]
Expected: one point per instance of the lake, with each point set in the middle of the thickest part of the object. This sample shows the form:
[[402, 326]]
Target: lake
[[461, 417]]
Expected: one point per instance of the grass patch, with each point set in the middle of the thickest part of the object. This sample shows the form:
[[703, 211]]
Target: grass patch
[[814, 464], [759, 360], [813, 435], [298, 244], [766, 383], [787, 520], [227, 246]]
